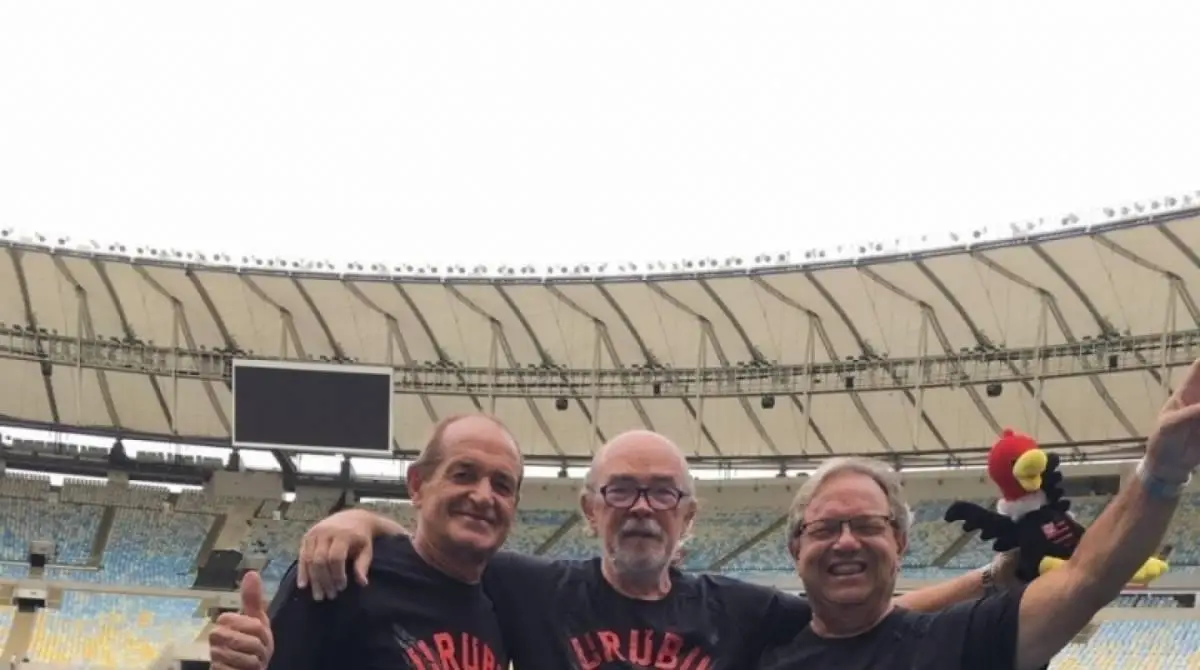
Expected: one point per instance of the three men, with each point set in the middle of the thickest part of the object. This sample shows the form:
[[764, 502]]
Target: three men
[[420, 605], [630, 607]]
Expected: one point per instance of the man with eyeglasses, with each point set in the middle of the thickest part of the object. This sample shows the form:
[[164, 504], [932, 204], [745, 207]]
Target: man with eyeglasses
[[629, 608], [849, 526]]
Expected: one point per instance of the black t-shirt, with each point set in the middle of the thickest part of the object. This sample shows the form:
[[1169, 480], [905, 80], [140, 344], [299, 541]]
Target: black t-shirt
[[978, 635], [563, 615], [408, 616]]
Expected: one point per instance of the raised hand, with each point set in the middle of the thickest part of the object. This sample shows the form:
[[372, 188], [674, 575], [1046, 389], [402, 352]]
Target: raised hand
[[243, 641], [1173, 451]]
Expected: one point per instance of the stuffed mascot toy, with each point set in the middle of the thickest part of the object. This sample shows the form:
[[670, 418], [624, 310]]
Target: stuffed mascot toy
[[1032, 513]]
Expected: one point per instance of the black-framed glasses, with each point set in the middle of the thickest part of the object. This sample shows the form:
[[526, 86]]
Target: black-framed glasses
[[866, 525], [625, 496]]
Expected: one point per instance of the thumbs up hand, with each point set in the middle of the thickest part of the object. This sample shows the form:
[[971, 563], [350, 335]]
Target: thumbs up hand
[[243, 641]]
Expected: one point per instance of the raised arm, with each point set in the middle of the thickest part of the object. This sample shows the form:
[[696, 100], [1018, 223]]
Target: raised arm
[[1056, 606]]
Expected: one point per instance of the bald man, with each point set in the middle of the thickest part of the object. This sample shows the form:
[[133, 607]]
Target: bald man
[[424, 606], [630, 607]]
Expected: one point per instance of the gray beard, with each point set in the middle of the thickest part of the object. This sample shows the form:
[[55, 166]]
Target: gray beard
[[641, 569]]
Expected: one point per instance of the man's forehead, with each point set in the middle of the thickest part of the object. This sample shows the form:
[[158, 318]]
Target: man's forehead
[[496, 462], [642, 467], [496, 449], [475, 428], [641, 452], [849, 493], [642, 478]]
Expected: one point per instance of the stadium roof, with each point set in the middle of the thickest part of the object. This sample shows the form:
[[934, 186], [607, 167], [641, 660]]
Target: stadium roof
[[1072, 334]]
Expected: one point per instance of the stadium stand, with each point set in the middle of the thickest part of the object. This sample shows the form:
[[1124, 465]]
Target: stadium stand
[[1124, 645], [112, 631]]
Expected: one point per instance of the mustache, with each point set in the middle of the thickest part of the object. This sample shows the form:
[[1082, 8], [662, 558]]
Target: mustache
[[642, 527]]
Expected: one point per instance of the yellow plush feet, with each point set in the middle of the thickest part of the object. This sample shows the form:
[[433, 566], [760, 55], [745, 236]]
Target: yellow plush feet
[[1151, 570], [1050, 563]]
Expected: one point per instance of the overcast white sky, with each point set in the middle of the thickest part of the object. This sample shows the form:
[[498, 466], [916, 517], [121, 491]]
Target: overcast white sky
[[540, 131], [554, 131]]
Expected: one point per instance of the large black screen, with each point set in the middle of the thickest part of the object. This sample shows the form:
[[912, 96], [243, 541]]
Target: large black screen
[[311, 407]]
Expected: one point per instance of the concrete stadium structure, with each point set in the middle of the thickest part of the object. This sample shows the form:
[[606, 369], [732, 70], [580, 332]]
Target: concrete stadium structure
[[916, 353], [891, 355]]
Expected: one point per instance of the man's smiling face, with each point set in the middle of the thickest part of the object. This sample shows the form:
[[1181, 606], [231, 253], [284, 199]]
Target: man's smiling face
[[470, 496]]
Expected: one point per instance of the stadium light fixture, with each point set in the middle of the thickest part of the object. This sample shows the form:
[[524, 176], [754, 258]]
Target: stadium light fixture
[[1109, 214]]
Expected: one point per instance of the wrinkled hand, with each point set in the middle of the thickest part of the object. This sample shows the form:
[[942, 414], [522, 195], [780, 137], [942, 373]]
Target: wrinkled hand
[[327, 546], [243, 641], [1173, 450]]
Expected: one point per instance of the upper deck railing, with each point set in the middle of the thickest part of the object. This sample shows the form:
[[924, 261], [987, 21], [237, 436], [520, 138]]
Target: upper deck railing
[[997, 366]]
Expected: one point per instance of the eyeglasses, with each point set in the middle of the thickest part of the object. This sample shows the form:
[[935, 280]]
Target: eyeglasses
[[867, 525], [625, 496]]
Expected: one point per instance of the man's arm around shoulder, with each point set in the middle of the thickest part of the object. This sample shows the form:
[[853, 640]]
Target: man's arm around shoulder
[[343, 539], [998, 575], [942, 595]]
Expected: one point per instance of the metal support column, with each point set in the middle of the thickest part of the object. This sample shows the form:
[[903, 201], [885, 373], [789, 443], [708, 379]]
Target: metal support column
[[79, 319], [1039, 377], [810, 352], [1168, 327], [597, 341], [176, 324], [919, 404], [701, 363], [283, 335], [493, 361], [390, 335]]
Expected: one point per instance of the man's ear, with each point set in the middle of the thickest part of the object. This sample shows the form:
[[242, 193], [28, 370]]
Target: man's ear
[[587, 507], [415, 482], [689, 515]]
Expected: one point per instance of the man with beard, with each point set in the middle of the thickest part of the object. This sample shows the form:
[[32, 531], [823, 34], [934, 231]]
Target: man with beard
[[423, 607], [848, 532], [629, 608]]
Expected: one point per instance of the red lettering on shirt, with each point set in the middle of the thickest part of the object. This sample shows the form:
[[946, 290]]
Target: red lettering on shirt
[[466, 652], [644, 648], [610, 645], [446, 651], [668, 653]]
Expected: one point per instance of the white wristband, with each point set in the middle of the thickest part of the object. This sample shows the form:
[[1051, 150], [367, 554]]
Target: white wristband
[[1158, 487]]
